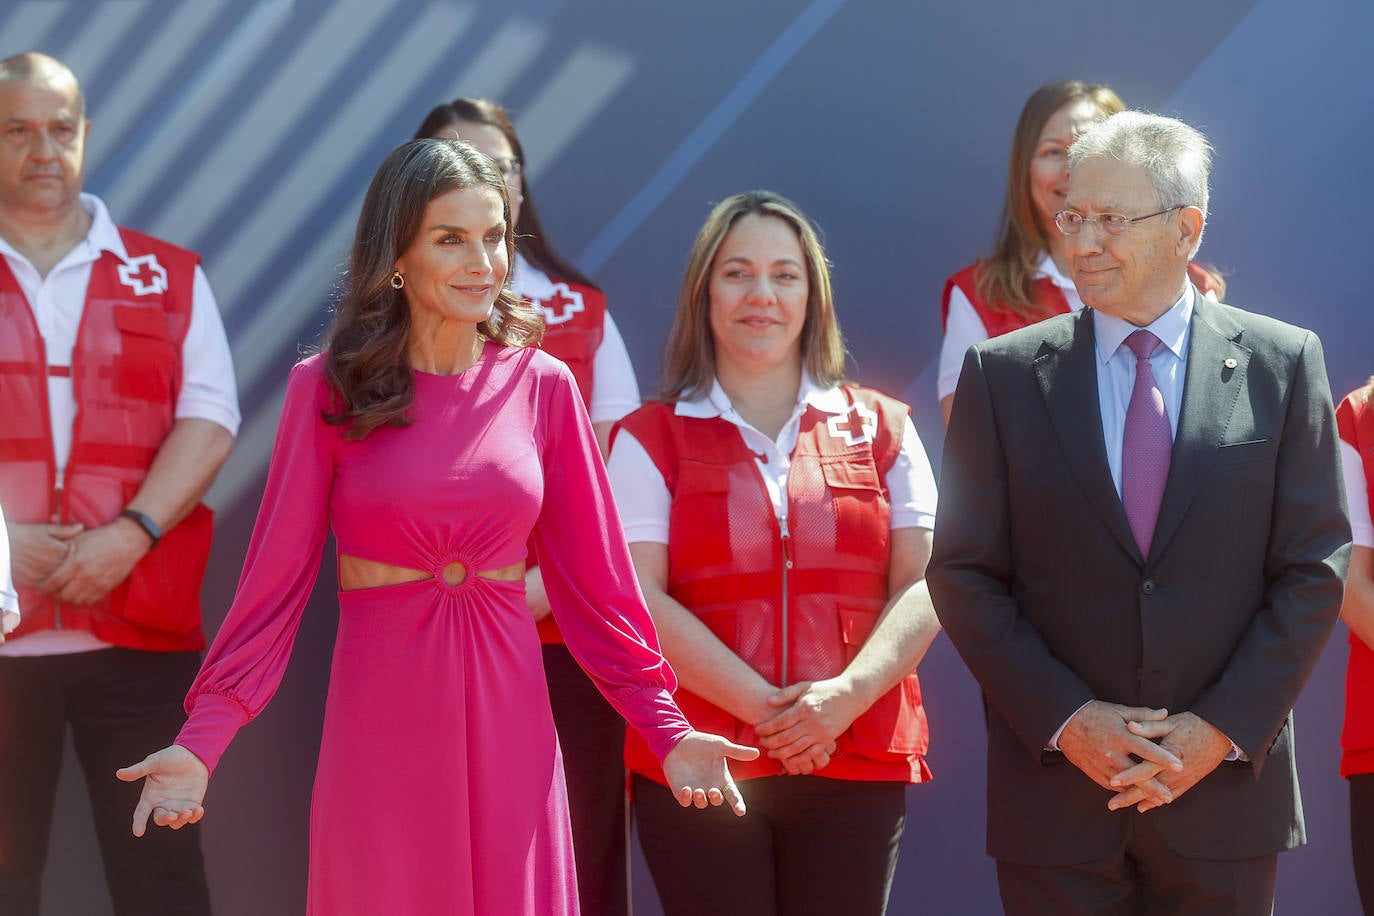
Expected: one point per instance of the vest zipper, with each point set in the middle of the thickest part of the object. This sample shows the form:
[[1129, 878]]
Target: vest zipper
[[786, 567], [58, 511]]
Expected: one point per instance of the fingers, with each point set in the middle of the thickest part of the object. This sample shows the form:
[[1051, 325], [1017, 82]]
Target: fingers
[[1155, 753], [137, 771], [1135, 774], [733, 798], [141, 812], [1151, 792], [789, 694], [176, 819], [1142, 714], [771, 728], [738, 751]]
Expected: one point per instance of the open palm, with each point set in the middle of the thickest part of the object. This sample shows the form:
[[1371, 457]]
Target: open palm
[[173, 789]]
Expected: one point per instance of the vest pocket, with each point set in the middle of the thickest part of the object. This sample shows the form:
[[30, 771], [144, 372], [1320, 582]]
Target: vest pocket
[[147, 358], [700, 518], [896, 723], [859, 501], [163, 591]]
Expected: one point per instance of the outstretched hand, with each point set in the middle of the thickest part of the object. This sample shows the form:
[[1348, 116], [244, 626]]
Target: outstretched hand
[[698, 773], [173, 791]]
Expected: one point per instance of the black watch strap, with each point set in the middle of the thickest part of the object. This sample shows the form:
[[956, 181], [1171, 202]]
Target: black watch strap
[[148, 525]]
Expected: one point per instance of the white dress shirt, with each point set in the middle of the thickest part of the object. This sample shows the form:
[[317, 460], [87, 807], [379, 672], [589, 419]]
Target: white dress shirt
[[1116, 371]]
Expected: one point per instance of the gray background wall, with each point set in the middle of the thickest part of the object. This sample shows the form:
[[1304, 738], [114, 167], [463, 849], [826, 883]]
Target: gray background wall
[[249, 131]]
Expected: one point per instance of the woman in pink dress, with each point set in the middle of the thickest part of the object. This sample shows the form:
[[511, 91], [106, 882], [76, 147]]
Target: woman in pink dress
[[433, 439]]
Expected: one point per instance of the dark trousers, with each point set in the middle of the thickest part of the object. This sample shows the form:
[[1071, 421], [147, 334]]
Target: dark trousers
[[1362, 836], [592, 736], [1143, 876], [122, 704], [808, 845]]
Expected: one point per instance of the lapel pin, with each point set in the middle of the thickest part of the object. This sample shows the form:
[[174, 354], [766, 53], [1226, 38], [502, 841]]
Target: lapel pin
[[1230, 363]]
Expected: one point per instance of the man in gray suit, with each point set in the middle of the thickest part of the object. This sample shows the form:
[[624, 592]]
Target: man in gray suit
[[1140, 555]]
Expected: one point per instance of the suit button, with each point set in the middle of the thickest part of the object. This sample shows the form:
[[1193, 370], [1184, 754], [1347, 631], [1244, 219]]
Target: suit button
[[1148, 586]]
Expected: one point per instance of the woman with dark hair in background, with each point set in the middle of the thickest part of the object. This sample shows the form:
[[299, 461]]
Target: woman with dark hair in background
[[1027, 277], [578, 330], [1355, 419], [433, 439], [780, 522]]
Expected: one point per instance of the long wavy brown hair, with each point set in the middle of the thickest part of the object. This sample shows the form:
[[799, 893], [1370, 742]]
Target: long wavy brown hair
[[367, 361], [530, 237], [1006, 279], [689, 360]]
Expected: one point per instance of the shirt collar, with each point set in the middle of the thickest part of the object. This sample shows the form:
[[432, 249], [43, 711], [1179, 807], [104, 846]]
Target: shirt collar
[[529, 281], [717, 403], [1171, 328], [102, 236], [1047, 268]]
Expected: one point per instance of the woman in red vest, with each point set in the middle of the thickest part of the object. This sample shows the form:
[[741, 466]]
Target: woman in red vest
[[580, 331], [1355, 418], [780, 521], [1027, 277]]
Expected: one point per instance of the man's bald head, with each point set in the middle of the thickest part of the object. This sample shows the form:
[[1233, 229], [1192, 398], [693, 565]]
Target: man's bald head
[[42, 70]]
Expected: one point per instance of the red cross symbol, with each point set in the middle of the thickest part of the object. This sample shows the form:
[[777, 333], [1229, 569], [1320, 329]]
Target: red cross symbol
[[143, 275], [856, 425], [562, 305]]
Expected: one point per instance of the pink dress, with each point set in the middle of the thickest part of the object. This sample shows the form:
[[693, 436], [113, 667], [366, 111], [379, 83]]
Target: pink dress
[[437, 692]]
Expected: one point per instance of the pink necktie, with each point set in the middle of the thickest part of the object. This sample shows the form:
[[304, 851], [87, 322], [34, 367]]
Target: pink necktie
[[1145, 446]]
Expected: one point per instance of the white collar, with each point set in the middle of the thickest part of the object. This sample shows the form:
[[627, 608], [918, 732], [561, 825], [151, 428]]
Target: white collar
[[529, 281], [717, 403], [1047, 268], [1171, 328]]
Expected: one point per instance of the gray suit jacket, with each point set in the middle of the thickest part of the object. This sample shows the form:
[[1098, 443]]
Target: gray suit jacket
[[1039, 583]]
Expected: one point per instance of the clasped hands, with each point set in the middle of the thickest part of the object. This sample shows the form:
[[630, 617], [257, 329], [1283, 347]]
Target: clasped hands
[[802, 722], [72, 563], [1146, 756]]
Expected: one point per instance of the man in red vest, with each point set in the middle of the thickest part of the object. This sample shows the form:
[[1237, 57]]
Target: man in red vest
[[119, 407]]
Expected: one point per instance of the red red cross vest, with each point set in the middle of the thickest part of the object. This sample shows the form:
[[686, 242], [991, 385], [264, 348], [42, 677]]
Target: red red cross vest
[[126, 372], [574, 324], [1355, 421], [797, 605], [1049, 299]]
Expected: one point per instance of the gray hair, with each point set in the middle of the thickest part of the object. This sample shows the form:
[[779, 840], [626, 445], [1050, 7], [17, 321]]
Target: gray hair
[[1177, 157]]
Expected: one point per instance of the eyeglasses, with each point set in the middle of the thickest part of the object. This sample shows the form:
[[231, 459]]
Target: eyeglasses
[[509, 167], [1071, 223]]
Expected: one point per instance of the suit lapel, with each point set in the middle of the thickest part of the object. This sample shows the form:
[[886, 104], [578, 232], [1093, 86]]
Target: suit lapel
[[1211, 388], [1067, 373]]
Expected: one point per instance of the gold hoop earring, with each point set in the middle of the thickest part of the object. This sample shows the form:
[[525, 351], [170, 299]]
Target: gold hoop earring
[[397, 281]]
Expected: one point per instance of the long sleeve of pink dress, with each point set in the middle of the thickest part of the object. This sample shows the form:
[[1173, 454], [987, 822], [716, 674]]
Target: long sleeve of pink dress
[[440, 686]]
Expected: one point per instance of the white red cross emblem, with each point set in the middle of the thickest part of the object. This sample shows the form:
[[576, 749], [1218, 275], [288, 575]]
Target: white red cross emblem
[[143, 275], [562, 305], [856, 425]]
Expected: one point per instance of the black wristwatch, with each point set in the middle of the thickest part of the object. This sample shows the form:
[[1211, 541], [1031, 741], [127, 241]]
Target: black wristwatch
[[149, 526]]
